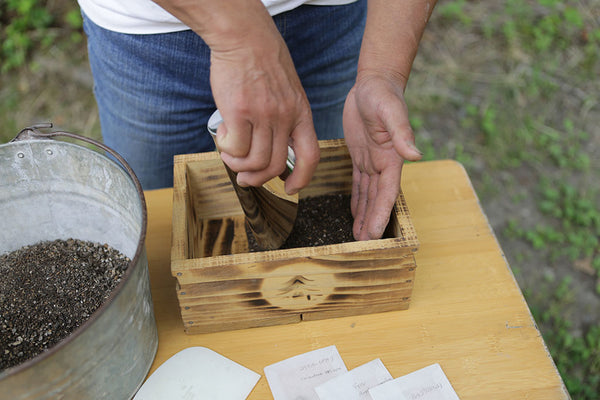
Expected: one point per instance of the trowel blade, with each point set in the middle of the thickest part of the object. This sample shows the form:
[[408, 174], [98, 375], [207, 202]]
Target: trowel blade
[[270, 212]]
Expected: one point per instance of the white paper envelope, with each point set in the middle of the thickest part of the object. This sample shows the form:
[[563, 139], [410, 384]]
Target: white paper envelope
[[198, 373], [429, 383], [355, 384], [295, 378]]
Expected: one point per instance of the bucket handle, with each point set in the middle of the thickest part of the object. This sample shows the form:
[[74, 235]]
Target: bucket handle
[[33, 132]]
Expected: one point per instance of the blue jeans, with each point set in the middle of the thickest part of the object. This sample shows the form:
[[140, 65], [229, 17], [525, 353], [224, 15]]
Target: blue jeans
[[154, 96]]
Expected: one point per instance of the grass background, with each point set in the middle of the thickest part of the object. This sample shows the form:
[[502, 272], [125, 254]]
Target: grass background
[[509, 88]]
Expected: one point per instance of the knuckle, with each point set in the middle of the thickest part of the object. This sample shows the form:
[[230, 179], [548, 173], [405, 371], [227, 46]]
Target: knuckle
[[258, 161], [262, 163]]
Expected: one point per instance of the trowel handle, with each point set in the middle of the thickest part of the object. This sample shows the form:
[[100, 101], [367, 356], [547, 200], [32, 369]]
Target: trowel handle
[[215, 120]]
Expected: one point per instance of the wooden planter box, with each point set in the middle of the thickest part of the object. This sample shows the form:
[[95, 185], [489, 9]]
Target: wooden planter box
[[222, 286]]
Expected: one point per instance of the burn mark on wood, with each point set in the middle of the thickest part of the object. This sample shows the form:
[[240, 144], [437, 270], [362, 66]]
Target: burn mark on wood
[[217, 236], [229, 234], [259, 303], [382, 275], [210, 235], [297, 284], [300, 280], [205, 289], [213, 177], [339, 297], [250, 295], [383, 287], [363, 261]]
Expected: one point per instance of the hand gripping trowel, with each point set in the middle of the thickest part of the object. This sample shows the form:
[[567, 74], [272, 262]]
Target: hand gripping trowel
[[270, 211]]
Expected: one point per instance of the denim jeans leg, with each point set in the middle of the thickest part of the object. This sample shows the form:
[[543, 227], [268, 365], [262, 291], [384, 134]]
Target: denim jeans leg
[[153, 97]]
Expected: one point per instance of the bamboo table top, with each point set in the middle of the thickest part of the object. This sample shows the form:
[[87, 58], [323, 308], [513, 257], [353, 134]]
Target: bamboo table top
[[467, 312]]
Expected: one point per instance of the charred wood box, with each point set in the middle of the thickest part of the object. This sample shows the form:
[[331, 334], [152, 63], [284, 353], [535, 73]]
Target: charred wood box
[[221, 285]]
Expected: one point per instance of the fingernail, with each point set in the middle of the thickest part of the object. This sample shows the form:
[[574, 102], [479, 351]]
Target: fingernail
[[241, 182], [291, 191], [414, 147]]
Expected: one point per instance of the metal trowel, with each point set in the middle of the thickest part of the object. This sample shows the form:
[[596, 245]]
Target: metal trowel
[[270, 212]]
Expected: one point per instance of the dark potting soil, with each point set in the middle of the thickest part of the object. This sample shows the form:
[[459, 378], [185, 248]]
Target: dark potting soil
[[321, 220], [49, 289]]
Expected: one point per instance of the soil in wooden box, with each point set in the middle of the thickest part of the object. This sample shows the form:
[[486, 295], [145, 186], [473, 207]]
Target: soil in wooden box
[[321, 220], [49, 289]]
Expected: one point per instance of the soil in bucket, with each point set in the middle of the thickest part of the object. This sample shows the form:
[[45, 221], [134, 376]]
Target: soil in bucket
[[321, 220], [49, 289]]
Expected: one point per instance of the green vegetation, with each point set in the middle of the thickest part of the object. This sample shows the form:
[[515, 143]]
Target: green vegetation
[[43, 63], [577, 356], [575, 224], [27, 25]]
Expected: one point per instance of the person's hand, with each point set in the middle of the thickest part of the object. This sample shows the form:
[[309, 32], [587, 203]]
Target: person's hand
[[264, 108], [379, 139], [256, 88]]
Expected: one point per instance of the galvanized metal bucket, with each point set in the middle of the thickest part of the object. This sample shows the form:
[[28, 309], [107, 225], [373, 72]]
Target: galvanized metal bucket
[[52, 189]]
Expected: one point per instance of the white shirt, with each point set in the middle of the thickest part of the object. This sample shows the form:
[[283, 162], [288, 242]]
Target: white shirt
[[146, 17]]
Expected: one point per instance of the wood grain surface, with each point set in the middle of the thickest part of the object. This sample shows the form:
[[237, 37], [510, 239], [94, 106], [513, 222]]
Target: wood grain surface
[[467, 312]]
